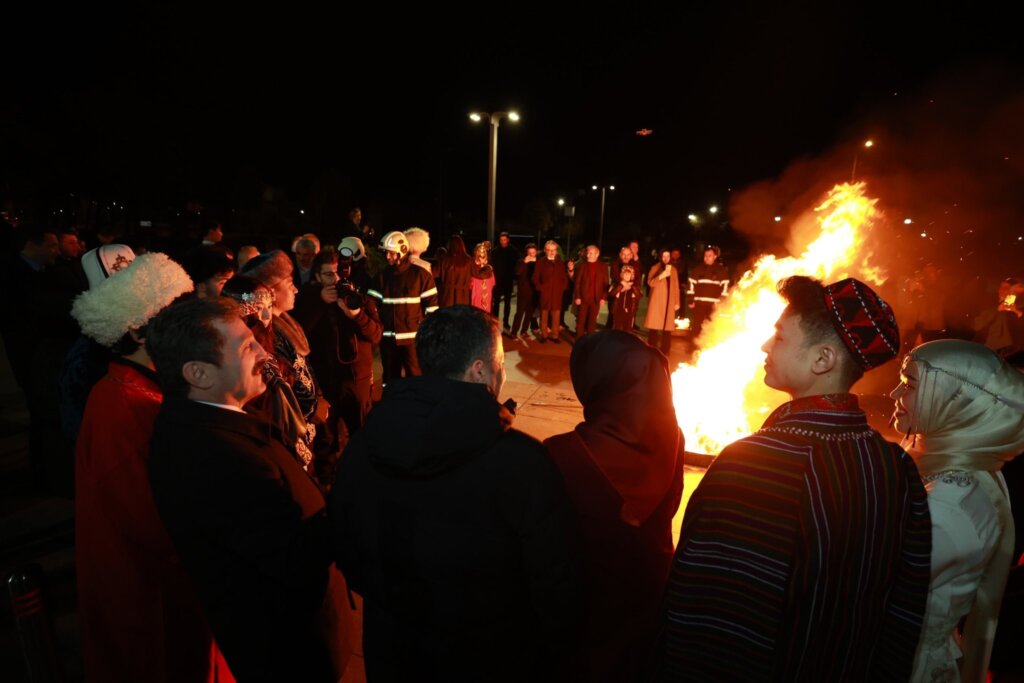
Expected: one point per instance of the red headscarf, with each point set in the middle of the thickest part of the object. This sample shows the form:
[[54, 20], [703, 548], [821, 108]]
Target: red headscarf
[[629, 425]]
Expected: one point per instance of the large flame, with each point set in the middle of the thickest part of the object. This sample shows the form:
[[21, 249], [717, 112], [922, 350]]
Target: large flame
[[722, 397]]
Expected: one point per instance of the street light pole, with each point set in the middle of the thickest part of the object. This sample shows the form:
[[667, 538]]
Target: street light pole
[[494, 118], [853, 172], [600, 222]]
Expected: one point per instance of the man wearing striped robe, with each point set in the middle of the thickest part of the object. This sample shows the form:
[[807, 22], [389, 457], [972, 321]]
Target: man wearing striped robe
[[804, 553]]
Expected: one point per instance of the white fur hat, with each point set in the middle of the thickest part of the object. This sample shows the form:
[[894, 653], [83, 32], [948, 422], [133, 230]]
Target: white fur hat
[[127, 302]]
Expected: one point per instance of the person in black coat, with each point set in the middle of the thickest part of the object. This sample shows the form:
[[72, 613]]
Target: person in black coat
[[341, 341], [455, 528], [526, 295], [247, 522], [503, 259]]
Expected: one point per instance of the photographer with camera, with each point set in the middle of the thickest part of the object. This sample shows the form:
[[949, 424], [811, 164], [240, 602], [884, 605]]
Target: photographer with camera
[[342, 325]]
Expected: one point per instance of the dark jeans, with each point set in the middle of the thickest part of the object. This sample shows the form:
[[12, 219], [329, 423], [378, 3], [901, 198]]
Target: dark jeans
[[586, 318], [660, 339], [395, 358], [502, 292], [524, 315]]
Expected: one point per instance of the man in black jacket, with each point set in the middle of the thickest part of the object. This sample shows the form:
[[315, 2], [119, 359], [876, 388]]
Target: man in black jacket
[[503, 259], [341, 339], [246, 520], [455, 528]]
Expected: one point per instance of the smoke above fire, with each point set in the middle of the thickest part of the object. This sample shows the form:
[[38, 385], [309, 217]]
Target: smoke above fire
[[946, 164], [939, 184]]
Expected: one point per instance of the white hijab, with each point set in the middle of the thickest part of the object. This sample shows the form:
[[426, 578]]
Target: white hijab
[[969, 416]]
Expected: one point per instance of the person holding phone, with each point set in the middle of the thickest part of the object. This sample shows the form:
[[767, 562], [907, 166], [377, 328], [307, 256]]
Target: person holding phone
[[663, 305]]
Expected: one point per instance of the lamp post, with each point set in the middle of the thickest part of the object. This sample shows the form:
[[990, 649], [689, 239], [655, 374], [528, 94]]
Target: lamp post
[[868, 144], [600, 222], [494, 118]]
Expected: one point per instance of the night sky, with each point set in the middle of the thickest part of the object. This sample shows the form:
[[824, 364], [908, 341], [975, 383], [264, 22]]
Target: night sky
[[159, 105]]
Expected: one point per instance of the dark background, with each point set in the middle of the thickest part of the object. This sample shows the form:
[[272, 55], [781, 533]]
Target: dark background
[[164, 112]]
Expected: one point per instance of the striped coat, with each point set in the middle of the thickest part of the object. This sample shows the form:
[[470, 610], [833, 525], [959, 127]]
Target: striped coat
[[405, 293], [803, 556]]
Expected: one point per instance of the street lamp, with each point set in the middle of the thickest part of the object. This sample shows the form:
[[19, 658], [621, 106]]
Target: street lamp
[[600, 223], [494, 118], [868, 144]]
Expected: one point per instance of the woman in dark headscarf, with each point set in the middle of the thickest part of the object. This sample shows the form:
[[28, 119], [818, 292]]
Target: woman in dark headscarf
[[623, 470], [455, 273], [278, 402]]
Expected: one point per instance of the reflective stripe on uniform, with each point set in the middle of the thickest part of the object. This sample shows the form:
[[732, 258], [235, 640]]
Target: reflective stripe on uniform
[[704, 298], [431, 309], [374, 293], [401, 300], [429, 292], [399, 335]]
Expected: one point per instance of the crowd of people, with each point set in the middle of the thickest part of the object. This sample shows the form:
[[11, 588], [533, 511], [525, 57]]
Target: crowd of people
[[246, 511]]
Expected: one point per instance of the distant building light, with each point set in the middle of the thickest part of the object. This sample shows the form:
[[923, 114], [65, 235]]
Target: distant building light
[[713, 209], [778, 219], [924, 234], [907, 221]]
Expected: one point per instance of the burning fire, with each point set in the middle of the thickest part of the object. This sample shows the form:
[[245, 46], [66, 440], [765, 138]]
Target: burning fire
[[722, 397]]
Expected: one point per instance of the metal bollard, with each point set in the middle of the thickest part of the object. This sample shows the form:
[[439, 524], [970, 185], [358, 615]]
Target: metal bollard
[[25, 587]]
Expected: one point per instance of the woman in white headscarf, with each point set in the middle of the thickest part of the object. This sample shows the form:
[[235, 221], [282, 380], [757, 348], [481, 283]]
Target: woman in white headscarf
[[962, 411]]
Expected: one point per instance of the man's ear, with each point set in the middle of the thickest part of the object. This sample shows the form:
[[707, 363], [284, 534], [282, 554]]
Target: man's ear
[[136, 337], [475, 372], [826, 360], [197, 374]]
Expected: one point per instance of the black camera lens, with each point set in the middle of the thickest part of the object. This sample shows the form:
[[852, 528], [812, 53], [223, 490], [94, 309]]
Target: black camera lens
[[348, 293]]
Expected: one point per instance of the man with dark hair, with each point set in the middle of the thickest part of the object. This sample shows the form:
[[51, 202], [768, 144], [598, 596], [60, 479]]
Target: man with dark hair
[[503, 259], [213, 232], [709, 282], [341, 339], [454, 527], [805, 551], [246, 520], [209, 266]]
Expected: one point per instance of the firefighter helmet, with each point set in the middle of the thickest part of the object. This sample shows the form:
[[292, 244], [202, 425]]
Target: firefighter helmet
[[395, 241]]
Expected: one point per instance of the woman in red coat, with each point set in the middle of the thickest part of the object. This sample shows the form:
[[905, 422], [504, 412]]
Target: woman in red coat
[[623, 469]]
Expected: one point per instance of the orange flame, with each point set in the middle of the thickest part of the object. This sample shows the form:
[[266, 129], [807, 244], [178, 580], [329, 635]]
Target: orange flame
[[721, 396]]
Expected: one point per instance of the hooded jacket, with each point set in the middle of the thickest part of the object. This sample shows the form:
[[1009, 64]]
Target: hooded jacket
[[457, 532]]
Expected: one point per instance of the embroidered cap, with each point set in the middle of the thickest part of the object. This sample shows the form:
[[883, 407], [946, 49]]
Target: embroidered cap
[[102, 262], [865, 323]]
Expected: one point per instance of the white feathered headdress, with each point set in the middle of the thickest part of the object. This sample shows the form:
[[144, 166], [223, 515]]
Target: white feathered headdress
[[130, 300]]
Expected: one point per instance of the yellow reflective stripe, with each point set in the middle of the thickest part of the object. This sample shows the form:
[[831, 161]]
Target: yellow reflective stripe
[[375, 293], [431, 309], [402, 300], [400, 335], [429, 292]]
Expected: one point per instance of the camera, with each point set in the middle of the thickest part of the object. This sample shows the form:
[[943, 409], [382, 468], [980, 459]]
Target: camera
[[348, 293]]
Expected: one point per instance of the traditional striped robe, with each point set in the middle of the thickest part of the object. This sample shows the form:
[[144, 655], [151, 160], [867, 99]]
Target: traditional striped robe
[[804, 555]]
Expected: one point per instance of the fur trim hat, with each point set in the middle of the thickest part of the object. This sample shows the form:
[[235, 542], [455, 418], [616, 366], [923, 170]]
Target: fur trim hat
[[269, 268], [102, 262], [419, 240], [109, 310]]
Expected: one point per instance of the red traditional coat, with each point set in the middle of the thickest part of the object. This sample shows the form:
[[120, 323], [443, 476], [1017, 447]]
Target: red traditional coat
[[141, 620]]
